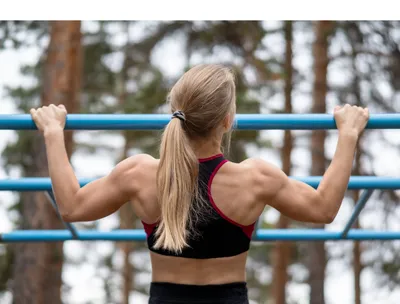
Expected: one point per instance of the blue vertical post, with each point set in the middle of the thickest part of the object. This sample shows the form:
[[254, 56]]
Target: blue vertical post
[[69, 226], [357, 210]]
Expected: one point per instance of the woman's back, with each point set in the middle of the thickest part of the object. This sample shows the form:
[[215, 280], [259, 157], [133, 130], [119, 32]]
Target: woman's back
[[217, 248]]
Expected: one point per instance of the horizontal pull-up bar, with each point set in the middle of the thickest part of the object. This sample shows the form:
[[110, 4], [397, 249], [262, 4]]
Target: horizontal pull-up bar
[[139, 235], [356, 182], [158, 121]]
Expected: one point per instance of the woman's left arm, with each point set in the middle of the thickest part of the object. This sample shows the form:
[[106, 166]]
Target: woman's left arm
[[95, 200]]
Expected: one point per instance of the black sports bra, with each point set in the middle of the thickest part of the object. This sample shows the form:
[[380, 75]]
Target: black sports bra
[[216, 235]]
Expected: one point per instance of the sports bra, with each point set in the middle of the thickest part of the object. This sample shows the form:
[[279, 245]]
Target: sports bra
[[214, 234]]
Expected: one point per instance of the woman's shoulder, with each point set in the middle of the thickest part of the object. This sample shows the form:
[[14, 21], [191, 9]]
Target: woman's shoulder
[[260, 172], [259, 164], [136, 167], [139, 161]]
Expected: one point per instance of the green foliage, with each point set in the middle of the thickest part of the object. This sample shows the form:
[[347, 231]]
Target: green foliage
[[13, 34]]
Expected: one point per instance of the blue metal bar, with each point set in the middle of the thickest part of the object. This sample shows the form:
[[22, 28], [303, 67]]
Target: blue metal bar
[[323, 235], [50, 196], [365, 196], [158, 121], [139, 235], [356, 182]]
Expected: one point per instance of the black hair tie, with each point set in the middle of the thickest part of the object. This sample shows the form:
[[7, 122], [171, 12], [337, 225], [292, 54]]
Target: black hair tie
[[180, 115]]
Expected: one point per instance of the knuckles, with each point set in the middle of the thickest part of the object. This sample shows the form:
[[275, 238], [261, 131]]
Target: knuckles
[[350, 112], [49, 107]]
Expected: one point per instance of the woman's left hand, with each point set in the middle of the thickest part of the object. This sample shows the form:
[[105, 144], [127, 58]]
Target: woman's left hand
[[49, 117]]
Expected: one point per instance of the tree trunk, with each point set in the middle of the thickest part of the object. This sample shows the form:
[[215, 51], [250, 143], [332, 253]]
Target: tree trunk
[[126, 213], [38, 266], [282, 250], [316, 250], [127, 221], [357, 267]]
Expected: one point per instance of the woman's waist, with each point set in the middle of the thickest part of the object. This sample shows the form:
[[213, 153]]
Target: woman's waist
[[199, 278], [198, 271]]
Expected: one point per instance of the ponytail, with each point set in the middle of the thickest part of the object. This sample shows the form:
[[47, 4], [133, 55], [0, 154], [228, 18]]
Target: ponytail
[[177, 187], [206, 95]]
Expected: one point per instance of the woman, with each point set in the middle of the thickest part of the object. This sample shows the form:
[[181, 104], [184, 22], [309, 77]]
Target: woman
[[198, 209]]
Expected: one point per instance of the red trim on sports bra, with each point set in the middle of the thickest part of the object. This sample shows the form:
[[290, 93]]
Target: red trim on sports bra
[[149, 228], [202, 160], [248, 230]]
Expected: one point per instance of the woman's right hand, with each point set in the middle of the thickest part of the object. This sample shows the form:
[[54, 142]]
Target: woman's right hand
[[351, 120]]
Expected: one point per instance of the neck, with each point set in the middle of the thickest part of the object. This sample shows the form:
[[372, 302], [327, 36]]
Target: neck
[[207, 148]]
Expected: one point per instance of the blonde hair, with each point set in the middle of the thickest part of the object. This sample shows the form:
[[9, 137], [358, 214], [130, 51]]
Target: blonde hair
[[206, 96]]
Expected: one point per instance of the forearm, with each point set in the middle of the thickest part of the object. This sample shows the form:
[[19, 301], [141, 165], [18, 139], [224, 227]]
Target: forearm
[[64, 182], [335, 180]]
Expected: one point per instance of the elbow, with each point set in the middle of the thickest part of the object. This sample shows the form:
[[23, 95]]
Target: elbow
[[326, 214], [69, 213], [327, 218], [67, 217]]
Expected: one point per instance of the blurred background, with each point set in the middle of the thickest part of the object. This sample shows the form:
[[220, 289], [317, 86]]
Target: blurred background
[[128, 67]]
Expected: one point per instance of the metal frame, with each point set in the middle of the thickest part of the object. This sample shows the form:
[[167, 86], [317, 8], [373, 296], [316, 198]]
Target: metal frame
[[158, 121], [243, 122]]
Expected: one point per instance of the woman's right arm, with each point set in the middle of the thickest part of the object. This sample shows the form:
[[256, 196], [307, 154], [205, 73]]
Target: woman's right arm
[[300, 201], [97, 199]]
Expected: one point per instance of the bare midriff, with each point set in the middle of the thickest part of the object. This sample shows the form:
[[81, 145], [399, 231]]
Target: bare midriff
[[198, 271]]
